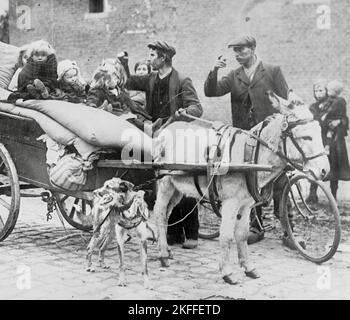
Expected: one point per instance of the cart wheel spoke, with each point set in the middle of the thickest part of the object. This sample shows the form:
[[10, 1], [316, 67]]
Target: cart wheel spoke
[[67, 207], [83, 206], [64, 198], [5, 204], [71, 214], [72, 211], [2, 224]]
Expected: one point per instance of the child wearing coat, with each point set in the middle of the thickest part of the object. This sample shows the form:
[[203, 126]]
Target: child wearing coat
[[38, 78], [107, 92], [72, 87], [23, 56]]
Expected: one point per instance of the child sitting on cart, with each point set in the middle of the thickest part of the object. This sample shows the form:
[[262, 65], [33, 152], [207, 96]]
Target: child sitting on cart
[[107, 92], [38, 78], [72, 87], [23, 56]]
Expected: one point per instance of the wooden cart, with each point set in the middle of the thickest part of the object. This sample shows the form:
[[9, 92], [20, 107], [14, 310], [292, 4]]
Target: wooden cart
[[23, 166]]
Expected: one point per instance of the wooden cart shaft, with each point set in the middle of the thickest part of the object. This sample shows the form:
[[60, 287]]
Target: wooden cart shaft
[[129, 164]]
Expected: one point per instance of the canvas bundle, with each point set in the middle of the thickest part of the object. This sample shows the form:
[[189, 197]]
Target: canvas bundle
[[70, 172]]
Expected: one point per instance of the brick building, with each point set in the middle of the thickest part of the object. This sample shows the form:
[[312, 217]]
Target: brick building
[[307, 38]]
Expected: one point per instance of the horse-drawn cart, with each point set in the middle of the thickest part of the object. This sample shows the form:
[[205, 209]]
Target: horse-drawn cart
[[23, 166]]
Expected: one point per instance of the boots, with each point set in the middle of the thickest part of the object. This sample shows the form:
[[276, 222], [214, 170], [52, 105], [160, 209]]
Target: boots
[[41, 88], [34, 94], [190, 244]]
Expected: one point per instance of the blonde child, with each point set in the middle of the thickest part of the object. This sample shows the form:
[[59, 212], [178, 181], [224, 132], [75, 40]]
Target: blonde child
[[38, 78], [107, 92]]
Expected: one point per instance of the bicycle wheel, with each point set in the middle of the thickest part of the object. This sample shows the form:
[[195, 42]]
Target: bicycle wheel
[[314, 230], [209, 221]]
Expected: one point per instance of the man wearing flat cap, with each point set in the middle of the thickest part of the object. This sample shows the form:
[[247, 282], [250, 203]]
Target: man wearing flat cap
[[167, 92], [247, 84], [249, 103]]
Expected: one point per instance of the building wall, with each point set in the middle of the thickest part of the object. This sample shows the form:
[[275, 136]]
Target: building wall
[[286, 33]]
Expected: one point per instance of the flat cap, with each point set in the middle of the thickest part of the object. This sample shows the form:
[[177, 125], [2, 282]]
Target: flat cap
[[243, 41], [163, 46]]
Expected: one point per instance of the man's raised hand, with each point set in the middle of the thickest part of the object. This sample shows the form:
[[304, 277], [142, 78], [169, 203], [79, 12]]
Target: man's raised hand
[[220, 63]]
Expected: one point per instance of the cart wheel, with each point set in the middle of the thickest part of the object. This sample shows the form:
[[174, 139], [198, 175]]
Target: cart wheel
[[209, 220], [9, 194], [314, 229], [74, 211]]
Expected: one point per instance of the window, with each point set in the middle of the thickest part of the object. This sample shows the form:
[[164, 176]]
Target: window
[[96, 6], [98, 9]]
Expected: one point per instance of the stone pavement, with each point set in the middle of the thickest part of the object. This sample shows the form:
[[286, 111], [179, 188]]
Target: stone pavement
[[42, 260]]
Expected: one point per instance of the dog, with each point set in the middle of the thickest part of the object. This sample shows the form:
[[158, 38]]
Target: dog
[[116, 210]]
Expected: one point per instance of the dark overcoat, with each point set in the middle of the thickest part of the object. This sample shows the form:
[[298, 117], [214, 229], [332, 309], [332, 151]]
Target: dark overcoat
[[249, 102], [182, 93], [46, 71], [334, 109]]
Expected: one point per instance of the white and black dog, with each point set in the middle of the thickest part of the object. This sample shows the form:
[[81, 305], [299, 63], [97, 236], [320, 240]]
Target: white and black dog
[[116, 210]]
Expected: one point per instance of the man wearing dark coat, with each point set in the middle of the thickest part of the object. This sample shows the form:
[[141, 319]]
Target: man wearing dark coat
[[247, 86], [168, 91]]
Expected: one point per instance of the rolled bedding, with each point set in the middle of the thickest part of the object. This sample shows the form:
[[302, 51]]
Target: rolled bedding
[[53, 129], [95, 126]]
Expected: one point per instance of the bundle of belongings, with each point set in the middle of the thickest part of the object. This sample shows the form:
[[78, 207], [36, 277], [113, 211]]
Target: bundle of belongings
[[75, 133]]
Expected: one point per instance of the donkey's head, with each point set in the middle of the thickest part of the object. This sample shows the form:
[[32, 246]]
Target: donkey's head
[[301, 135]]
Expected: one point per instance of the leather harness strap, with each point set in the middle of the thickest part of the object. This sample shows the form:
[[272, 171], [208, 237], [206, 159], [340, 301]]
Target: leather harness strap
[[253, 150], [196, 183], [251, 155], [215, 154]]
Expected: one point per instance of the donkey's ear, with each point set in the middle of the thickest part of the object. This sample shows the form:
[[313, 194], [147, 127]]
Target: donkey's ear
[[279, 104], [274, 99], [294, 99]]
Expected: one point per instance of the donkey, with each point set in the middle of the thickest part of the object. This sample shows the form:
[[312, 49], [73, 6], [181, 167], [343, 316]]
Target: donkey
[[303, 146]]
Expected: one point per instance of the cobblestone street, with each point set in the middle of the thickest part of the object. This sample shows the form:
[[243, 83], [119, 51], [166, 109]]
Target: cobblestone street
[[53, 259]]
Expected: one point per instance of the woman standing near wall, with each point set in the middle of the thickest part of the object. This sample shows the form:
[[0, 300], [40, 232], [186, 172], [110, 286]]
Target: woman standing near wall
[[331, 113]]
